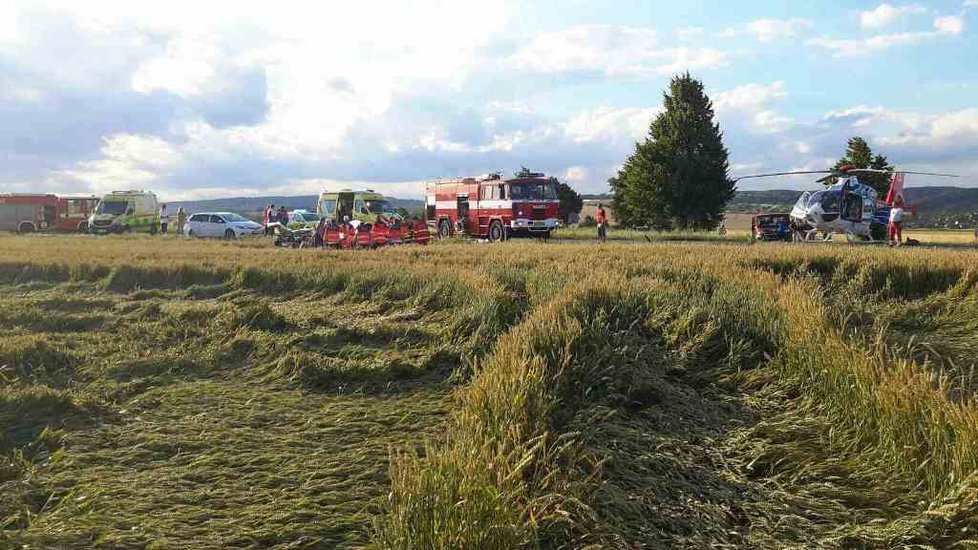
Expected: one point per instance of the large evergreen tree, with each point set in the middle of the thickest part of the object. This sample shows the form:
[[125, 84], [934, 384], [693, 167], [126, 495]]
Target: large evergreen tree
[[677, 177], [860, 155]]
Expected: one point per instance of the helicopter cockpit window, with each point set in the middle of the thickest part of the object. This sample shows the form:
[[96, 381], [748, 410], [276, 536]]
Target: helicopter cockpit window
[[803, 200], [814, 199], [830, 202]]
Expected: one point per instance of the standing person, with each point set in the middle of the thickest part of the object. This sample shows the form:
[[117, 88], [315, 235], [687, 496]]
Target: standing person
[[181, 220], [896, 222], [602, 220], [283, 216], [164, 219], [267, 217], [318, 238]]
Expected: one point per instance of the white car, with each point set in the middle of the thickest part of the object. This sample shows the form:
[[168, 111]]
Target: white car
[[227, 225]]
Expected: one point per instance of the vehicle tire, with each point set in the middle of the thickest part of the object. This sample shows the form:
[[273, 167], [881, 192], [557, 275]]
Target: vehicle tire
[[25, 228], [229, 234], [190, 232], [496, 232], [83, 227], [444, 229]]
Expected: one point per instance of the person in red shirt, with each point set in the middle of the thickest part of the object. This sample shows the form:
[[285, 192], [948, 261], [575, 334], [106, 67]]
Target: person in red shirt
[[602, 220]]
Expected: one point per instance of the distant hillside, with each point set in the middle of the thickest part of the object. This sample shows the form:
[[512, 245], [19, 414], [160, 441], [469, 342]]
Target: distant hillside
[[249, 206]]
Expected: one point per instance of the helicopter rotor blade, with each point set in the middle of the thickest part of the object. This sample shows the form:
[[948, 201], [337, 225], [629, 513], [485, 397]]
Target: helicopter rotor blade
[[930, 174], [876, 171], [772, 174], [868, 171]]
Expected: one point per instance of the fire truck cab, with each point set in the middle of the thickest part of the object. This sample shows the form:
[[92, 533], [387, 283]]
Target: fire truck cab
[[492, 208]]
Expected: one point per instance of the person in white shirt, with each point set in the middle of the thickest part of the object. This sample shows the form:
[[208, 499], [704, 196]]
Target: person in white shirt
[[896, 221], [164, 219]]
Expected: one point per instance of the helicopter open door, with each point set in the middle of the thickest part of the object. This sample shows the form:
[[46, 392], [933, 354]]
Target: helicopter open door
[[851, 205]]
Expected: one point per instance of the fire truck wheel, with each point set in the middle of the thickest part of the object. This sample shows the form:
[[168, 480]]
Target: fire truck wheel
[[496, 232], [229, 234], [152, 229], [444, 229], [25, 228]]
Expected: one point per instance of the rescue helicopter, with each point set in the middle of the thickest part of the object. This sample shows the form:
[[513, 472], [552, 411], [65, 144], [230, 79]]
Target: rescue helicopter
[[848, 206]]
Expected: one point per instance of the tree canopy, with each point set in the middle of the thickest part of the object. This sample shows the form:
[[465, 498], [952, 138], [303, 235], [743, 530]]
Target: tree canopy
[[859, 155], [677, 177]]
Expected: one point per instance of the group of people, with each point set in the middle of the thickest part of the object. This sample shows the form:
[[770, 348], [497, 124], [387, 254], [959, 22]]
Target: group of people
[[270, 216], [165, 220]]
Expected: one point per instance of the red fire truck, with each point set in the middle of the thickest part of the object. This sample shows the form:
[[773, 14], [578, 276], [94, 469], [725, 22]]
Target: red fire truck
[[28, 213], [492, 208]]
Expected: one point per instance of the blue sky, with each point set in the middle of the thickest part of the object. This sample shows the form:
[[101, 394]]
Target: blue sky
[[197, 100]]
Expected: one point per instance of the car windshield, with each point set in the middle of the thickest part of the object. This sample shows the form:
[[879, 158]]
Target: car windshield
[[379, 207], [533, 191], [309, 217], [234, 218], [113, 208], [771, 221]]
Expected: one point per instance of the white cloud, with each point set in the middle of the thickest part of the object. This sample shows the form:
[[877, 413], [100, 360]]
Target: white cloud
[[575, 175], [128, 161], [728, 32], [769, 122], [610, 125], [611, 50], [949, 24], [8, 22], [956, 128], [769, 29], [864, 116], [749, 97], [970, 4], [750, 105], [745, 167], [187, 68], [885, 15], [690, 33]]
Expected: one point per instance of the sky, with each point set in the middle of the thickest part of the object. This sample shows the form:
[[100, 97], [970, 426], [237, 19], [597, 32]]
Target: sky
[[211, 99]]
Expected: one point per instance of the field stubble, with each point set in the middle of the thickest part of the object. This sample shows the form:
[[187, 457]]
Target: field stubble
[[190, 394]]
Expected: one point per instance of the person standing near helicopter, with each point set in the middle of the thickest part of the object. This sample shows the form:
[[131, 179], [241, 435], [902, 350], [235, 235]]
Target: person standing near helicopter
[[896, 221]]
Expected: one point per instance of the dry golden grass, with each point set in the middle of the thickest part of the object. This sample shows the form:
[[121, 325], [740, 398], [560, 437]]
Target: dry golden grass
[[200, 394]]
